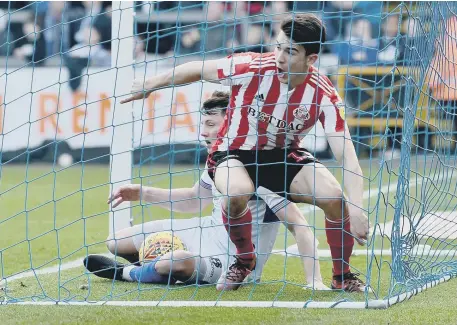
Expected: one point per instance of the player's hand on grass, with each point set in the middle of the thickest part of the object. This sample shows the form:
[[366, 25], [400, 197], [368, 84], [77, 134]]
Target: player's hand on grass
[[130, 192], [138, 91], [359, 225]]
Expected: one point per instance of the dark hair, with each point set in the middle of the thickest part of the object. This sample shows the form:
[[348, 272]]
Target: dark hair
[[305, 29], [218, 102]]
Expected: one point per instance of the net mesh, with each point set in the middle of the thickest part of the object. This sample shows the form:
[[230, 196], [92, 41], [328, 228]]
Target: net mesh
[[392, 63]]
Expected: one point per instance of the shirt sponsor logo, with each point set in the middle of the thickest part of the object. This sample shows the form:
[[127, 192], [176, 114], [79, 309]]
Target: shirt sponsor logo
[[270, 119]]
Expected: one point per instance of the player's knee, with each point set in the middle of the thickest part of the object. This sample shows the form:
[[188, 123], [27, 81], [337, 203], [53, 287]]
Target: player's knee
[[334, 191], [235, 205], [111, 243], [182, 261], [119, 243], [335, 206], [185, 264], [241, 191], [178, 262], [332, 203]]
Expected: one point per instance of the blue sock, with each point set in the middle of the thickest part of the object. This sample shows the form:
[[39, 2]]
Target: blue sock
[[147, 274]]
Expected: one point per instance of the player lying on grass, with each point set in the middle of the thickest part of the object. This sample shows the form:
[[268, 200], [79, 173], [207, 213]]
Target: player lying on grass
[[208, 246], [276, 99]]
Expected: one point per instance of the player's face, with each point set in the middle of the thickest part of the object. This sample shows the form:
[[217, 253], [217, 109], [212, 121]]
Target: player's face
[[210, 124], [292, 61]]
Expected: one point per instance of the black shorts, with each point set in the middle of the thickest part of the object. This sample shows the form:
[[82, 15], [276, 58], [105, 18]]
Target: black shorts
[[273, 169]]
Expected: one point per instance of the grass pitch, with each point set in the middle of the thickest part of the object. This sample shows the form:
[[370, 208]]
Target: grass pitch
[[56, 216]]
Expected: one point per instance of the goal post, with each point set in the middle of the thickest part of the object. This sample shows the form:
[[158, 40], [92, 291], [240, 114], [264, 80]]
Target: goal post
[[121, 166]]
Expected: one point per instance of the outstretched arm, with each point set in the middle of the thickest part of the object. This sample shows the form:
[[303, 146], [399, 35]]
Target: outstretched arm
[[227, 71], [183, 74], [189, 200]]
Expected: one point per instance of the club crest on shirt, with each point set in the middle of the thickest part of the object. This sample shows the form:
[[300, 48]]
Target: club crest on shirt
[[301, 113]]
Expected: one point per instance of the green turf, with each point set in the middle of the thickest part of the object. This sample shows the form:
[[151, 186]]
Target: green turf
[[70, 218], [57, 216], [436, 306], [281, 281]]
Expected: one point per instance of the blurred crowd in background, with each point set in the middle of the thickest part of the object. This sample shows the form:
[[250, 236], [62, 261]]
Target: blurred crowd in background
[[77, 34], [40, 32]]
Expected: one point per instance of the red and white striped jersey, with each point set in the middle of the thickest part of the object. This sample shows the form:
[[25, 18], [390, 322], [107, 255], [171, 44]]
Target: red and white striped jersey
[[264, 114]]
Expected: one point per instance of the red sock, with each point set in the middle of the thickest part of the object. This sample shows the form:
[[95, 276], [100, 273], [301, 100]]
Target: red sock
[[341, 243], [239, 229]]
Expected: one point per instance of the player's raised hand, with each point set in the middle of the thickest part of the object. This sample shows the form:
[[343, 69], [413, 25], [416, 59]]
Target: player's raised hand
[[137, 91], [359, 225], [130, 192]]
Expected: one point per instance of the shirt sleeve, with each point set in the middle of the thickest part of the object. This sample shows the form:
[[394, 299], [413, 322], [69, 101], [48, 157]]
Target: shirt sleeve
[[234, 69], [206, 181], [332, 114]]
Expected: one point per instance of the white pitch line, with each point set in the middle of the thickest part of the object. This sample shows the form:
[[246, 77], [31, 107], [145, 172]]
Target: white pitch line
[[47, 270], [423, 251]]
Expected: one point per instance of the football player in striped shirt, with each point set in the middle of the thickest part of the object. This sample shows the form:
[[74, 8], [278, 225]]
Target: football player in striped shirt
[[208, 248], [276, 99]]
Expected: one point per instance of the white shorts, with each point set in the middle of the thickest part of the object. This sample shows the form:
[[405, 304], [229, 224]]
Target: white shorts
[[201, 236]]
